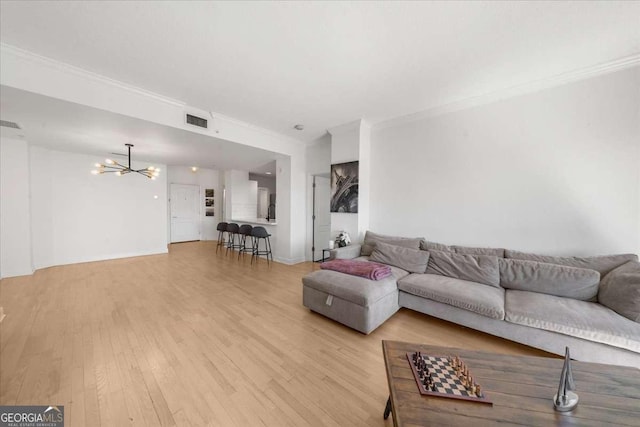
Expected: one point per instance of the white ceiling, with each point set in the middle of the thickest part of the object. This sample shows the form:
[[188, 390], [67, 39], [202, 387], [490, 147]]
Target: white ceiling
[[322, 64], [66, 126]]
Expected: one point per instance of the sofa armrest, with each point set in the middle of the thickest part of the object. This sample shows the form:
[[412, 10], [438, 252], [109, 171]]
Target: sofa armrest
[[345, 252]]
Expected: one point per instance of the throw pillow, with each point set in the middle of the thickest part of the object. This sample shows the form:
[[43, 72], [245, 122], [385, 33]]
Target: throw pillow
[[603, 264], [411, 260], [479, 251], [620, 290], [551, 279], [370, 240], [475, 268], [433, 246]]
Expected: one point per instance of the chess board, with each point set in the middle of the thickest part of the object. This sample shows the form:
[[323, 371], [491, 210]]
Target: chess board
[[443, 379]]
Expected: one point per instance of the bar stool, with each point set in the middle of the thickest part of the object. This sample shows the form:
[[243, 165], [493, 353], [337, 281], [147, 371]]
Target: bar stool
[[244, 232], [232, 234], [260, 233], [222, 228]]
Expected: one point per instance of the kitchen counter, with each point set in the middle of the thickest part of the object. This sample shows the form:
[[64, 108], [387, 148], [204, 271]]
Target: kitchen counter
[[255, 221]]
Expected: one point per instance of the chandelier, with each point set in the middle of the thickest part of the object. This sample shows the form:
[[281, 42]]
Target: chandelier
[[111, 166]]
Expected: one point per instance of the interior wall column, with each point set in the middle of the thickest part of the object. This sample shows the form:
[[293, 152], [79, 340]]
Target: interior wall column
[[352, 142]]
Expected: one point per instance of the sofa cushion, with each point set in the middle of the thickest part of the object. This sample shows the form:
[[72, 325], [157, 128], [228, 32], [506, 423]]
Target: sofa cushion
[[602, 264], [411, 260], [466, 250], [481, 299], [433, 246], [476, 268], [620, 290], [552, 279], [581, 319], [357, 290], [371, 238]]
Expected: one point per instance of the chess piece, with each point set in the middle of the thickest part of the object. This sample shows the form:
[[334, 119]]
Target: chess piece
[[566, 400], [479, 391]]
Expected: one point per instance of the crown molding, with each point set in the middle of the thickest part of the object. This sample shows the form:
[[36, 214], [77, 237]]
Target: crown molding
[[89, 75], [509, 92]]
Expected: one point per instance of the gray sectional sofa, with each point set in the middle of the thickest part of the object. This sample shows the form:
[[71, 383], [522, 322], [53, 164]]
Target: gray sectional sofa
[[591, 304]]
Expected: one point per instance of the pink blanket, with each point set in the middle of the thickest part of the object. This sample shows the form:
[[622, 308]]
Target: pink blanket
[[366, 269]]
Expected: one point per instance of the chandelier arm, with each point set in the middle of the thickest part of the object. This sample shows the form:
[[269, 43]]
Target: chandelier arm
[[118, 164], [120, 169]]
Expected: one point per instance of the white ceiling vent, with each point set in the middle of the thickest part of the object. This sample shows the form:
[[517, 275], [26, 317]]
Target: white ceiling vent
[[7, 124], [197, 121]]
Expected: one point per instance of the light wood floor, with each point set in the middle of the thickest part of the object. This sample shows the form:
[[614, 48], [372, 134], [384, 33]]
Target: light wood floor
[[197, 338]]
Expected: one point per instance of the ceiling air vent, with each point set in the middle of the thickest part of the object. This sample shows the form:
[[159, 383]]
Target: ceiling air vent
[[196, 121], [14, 125]]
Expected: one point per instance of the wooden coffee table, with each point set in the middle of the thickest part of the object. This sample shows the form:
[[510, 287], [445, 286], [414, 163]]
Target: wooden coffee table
[[521, 389]]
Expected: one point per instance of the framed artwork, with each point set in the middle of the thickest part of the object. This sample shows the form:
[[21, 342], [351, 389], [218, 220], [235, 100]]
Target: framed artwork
[[208, 202], [208, 212], [344, 187], [208, 192]]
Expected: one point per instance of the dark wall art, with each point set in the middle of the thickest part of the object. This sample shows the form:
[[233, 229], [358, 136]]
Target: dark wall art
[[344, 187]]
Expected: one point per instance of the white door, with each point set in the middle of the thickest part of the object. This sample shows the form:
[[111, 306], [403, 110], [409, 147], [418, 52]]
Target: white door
[[322, 212], [185, 213]]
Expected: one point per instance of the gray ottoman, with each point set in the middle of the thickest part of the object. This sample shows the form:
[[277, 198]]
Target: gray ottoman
[[357, 302]]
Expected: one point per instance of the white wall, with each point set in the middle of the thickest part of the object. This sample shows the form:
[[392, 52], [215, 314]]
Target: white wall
[[87, 217], [345, 148], [555, 171], [242, 195], [352, 142], [319, 156], [204, 178], [15, 228]]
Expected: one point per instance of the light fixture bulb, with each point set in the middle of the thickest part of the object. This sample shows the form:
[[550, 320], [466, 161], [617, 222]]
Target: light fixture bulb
[[153, 177], [119, 173], [150, 168], [109, 161], [194, 168], [94, 172], [156, 173], [157, 169], [98, 165], [268, 173]]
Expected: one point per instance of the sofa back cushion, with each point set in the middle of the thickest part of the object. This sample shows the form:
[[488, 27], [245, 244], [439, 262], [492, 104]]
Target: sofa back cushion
[[466, 250], [551, 279], [475, 268], [425, 245], [620, 290], [602, 264], [411, 260], [370, 240]]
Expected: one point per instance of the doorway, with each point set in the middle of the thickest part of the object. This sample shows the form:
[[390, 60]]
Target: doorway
[[321, 216], [185, 213]]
